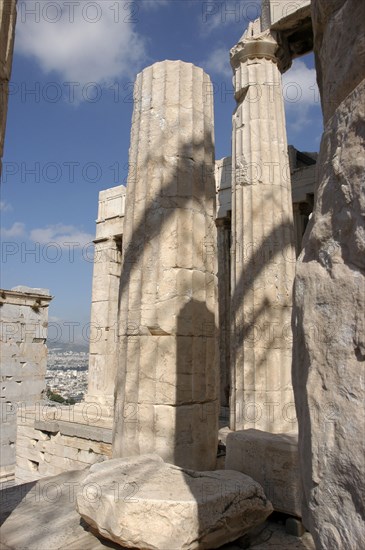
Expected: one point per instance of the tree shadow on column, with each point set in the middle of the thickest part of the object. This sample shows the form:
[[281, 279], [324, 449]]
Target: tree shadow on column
[[175, 194], [196, 429], [272, 247], [191, 185], [216, 494]]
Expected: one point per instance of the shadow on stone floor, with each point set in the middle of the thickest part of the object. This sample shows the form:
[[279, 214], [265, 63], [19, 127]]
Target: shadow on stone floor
[[42, 516]]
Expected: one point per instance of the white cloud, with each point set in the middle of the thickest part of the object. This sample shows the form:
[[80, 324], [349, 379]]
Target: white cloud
[[300, 85], [300, 94], [63, 235], [66, 236], [5, 206], [16, 230], [218, 63], [88, 42], [216, 15]]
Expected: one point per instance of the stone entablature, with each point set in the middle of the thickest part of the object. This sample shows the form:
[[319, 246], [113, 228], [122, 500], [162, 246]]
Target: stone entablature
[[293, 23], [283, 12], [111, 211], [24, 321], [303, 171]]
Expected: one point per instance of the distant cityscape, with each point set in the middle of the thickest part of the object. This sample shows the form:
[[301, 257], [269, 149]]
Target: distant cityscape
[[67, 368]]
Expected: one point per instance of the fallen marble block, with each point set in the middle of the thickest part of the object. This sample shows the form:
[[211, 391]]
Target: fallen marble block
[[143, 502], [272, 460]]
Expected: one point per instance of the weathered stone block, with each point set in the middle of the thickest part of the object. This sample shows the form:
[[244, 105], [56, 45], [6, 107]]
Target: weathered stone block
[[272, 460], [145, 503], [24, 314]]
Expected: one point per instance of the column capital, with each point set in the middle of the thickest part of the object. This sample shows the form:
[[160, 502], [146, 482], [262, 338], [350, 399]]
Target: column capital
[[255, 44]]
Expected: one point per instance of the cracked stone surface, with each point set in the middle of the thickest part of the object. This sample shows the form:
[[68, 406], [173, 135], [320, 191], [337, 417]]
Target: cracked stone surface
[[42, 516], [146, 503], [271, 536], [329, 330]]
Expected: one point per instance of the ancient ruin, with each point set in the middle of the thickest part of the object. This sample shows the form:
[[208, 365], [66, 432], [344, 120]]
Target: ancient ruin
[[167, 387], [108, 241], [24, 320], [263, 255], [208, 316]]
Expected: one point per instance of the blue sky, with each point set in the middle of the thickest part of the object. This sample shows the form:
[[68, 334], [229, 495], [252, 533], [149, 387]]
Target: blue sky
[[69, 116]]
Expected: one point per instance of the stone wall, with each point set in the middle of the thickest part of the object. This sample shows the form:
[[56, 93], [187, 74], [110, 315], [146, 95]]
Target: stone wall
[[24, 319], [7, 28], [56, 439]]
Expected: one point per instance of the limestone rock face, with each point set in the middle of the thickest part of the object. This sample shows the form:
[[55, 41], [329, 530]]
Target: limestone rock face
[[339, 48], [142, 502], [329, 339]]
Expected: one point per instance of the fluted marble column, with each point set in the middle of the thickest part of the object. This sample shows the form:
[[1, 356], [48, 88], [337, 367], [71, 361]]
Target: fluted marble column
[[166, 391], [263, 256]]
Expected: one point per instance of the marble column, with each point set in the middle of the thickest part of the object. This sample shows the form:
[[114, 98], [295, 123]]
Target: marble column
[[263, 254], [167, 391]]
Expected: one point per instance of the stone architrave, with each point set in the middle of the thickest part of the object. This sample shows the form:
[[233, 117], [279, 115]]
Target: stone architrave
[[329, 298], [263, 254], [166, 390]]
